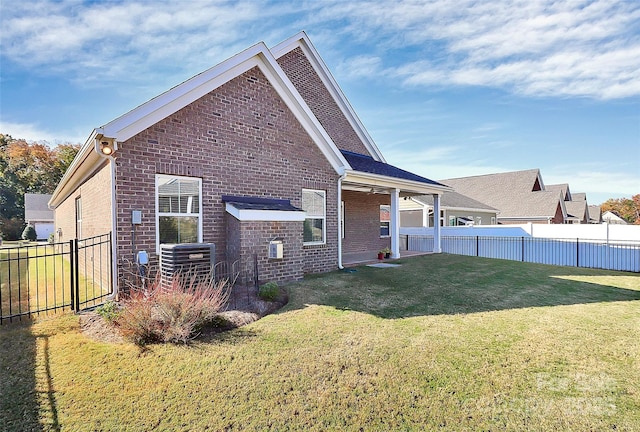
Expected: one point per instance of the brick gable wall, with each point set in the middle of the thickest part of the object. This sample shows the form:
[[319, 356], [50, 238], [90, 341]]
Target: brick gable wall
[[301, 73], [241, 139]]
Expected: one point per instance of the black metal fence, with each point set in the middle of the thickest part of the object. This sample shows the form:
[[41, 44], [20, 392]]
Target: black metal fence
[[623, 256], [46, 278]]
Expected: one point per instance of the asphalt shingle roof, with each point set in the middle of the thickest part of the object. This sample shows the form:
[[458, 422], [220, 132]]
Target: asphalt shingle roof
[[256, 203], [514, 193], [36, 207], [454, 199]]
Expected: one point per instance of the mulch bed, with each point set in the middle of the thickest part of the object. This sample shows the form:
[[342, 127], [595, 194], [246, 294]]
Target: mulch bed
[[244, 307]]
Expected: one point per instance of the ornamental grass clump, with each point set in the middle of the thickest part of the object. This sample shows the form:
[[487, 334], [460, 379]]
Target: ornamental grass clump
[[171, 311]]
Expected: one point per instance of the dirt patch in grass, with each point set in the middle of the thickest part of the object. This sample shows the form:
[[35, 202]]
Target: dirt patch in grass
[[244, 307]]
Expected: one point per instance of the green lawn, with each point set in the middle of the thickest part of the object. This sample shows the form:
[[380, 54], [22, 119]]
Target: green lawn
[[37, 277], [443, 342]]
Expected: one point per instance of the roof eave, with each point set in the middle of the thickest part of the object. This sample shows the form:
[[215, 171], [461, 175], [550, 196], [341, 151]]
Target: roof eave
[[407, 186], [83, 165]]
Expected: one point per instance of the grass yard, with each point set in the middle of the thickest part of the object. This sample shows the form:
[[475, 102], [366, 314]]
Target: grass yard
[[37, 277], [443, 342]]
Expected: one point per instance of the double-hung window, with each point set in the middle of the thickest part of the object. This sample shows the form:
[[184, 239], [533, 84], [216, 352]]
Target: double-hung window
[[178, 209], [314, 203]]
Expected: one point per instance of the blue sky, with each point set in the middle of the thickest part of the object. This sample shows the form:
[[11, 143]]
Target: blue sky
[[445, 88]]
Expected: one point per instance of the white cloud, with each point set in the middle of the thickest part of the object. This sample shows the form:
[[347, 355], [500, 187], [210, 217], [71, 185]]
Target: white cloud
[[541, 48], [33, 133]]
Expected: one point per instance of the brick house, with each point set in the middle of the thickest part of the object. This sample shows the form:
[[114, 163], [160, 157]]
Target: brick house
[[262, 146]]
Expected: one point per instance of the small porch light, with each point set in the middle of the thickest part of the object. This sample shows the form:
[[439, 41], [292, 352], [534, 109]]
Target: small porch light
[[105, 148]]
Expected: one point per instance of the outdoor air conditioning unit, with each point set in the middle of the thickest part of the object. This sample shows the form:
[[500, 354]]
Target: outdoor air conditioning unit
[[188, 259]]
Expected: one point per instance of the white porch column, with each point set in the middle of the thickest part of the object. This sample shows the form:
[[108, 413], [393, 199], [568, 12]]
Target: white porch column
[[436, 224], [395, 223]]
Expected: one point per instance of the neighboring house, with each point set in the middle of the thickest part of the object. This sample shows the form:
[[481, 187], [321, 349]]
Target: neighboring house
[[262, 147], [576, 204], [612, 218], [38, 214], [519, 196], [456, 210], [595, 214]]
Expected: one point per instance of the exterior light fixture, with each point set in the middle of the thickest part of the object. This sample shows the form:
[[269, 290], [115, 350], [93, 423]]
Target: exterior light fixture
[[105, 148]]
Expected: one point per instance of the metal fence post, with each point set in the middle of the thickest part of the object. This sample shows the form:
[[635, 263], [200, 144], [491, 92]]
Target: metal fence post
[[578, 252], [72, 262], [76, 275]]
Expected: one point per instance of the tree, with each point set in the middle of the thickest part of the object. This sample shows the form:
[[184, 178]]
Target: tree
[[27, 168], [627, 209]]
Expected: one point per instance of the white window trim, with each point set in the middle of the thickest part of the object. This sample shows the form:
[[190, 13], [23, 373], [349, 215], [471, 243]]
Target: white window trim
[[323, 217], [157, 212]]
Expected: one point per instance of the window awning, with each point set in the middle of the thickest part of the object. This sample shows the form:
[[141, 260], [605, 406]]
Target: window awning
[[262, 209]]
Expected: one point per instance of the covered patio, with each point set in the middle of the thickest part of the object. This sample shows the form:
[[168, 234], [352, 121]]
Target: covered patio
[[367, 189]]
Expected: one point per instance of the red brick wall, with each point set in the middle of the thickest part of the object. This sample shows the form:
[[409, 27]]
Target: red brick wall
[[95, 194], [253, 237], [241, 139], [315, 94], [362, 222]]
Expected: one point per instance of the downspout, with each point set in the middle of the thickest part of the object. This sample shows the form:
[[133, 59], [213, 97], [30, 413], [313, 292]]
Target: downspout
[[114, 237], [107, 147], [340, 221]]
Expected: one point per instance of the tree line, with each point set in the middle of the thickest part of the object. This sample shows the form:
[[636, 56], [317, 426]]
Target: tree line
[[625, 208], [27, 168]]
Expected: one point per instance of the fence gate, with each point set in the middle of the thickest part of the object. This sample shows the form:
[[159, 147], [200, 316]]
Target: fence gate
[[46, 278]]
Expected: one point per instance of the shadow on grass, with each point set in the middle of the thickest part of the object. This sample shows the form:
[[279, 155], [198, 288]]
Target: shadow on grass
[[453, 284], [19, 407]]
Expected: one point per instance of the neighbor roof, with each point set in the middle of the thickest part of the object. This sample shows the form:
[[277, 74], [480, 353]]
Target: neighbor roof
[[517, 194], [453, 199], [36, 207]]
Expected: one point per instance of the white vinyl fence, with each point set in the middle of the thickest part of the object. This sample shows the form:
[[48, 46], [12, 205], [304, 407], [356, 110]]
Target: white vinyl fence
[[623, 255]]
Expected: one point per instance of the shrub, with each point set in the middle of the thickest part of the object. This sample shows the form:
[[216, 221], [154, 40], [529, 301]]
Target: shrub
[[171, 313], [29, 233], [109, 311], [269, 291], [52, 238]]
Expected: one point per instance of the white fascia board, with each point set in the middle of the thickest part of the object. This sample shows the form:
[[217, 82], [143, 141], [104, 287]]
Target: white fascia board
[[302, 41], [265, 215], [162, 106], [84, 164], [376, 180]]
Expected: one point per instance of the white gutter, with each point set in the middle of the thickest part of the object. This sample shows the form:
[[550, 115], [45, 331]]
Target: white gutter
[[340, 222]]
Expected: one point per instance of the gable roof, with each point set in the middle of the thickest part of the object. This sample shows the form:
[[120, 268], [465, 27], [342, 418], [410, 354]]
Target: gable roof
[[577, 210], [563, 188], [302, 41], [595, 213], [36, 207], [118, 131], [176, 98], [517, 194], [455, 200]]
